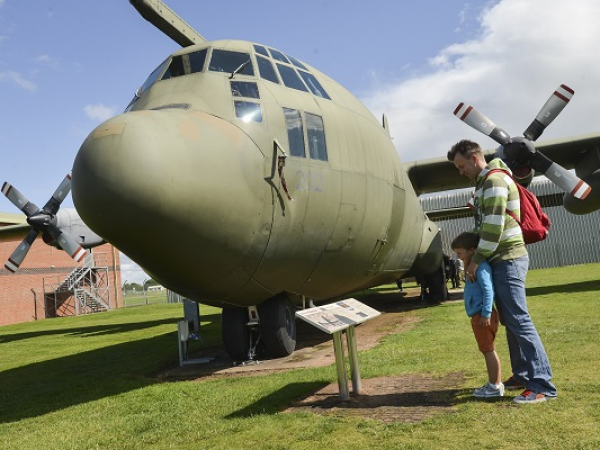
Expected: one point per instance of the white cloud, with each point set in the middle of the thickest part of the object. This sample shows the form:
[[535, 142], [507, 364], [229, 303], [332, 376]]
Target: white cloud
[[99, 112], [48, 60], [19, 80], [131, 272], [524, 50]]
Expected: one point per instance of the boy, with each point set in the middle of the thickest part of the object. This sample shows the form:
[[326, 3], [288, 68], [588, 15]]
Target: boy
[[479, 299]]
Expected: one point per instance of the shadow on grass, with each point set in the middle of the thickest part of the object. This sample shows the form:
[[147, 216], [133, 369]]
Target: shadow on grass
[[402, 405], [581, 286], [48, 386], [274, 402], [95, 330]]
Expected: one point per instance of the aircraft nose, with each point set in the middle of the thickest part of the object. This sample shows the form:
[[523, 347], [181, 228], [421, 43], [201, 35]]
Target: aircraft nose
[[150, 181]]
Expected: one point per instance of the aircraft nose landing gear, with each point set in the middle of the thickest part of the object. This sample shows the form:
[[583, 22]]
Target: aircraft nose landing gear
[[268, 331]]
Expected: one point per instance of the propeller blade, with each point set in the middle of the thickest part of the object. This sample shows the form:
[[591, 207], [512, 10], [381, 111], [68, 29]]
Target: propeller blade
[[66, 242], [19, 200], [475, 119], [552, 108], [560, 176], [52, 206], [17, 257]]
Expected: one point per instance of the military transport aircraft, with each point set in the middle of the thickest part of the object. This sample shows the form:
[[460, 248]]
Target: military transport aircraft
[[263, 183]]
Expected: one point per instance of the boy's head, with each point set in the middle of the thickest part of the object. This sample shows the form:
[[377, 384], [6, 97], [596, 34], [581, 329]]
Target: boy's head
[[464, 245]]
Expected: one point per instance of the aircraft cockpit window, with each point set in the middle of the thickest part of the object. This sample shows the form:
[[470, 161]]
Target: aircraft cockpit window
[[262, 50], [153, 76], [266, 69], [149, 82], [295, 130], [176, 68], [316, 137], [296, 62], [248, 111], [290, 78], [197, 60], [231, 62], [185, 64], [314, 86], [244, 89], [276, 54]]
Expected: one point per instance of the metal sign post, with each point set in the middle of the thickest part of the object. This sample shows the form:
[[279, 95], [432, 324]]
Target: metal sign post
[[189, 330], [335, 319], [340, 365]]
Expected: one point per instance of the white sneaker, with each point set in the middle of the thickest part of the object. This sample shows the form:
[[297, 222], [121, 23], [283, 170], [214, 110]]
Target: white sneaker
[[489, 390]]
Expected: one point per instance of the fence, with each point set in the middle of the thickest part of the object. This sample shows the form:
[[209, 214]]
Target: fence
[[132, 297], [573, 239]]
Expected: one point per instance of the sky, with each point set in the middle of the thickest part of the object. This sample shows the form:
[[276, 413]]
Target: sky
[[68, 65]]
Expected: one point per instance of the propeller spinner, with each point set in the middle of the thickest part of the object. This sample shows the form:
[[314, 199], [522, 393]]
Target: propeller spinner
[[41, 221], [519, 153]]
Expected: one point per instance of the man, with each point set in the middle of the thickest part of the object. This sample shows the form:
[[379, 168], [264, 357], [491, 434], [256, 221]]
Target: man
[[502, 245]]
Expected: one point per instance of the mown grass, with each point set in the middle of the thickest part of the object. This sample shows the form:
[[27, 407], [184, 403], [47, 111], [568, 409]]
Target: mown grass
[[87, 382]]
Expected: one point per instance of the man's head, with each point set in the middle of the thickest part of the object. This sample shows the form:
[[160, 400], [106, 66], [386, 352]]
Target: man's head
[[468, 158], [464, 245]]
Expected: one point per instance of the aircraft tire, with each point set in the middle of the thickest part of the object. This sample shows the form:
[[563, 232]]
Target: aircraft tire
[[235, 333], [277, 326], [438, 291]]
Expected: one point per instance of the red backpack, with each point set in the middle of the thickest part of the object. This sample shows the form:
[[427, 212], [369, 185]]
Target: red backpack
[[534, 222]]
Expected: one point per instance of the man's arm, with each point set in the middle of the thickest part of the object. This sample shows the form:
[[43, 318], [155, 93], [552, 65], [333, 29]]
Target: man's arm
[[494, 198]]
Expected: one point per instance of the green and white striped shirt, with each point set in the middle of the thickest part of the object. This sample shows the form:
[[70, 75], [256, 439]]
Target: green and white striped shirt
[[501, 236]]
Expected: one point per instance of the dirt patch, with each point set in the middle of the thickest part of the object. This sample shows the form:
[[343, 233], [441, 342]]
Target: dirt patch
[[407, 398]]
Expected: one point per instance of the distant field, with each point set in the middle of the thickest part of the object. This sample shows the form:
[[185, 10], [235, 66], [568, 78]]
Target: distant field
[[88, 382]]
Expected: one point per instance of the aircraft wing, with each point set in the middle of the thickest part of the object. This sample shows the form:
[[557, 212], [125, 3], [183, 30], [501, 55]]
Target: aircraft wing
[[15, 231], [438, 174]]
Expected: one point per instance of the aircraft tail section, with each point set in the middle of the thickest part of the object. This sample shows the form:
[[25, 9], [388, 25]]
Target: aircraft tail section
[[167, 21]]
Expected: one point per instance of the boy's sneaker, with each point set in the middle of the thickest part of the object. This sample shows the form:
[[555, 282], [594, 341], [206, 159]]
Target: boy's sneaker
[[528, 396], [512, 385], [489, 390]]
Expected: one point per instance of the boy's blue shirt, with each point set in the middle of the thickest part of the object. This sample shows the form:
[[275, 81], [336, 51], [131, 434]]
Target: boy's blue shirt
[[479, 294]]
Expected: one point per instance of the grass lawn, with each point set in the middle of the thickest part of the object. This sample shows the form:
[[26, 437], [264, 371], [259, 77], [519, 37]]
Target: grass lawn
[[87, 382]]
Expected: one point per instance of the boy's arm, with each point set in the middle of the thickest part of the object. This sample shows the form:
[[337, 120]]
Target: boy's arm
[[484, 278]]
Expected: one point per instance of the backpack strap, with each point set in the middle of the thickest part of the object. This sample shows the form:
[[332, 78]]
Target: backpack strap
[[510, 213]]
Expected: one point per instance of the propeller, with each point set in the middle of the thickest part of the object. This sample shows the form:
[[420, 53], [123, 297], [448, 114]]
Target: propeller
[[520, 153], [42, 221]]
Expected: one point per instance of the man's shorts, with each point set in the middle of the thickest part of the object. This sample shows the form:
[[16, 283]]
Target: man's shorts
[[485, 336]]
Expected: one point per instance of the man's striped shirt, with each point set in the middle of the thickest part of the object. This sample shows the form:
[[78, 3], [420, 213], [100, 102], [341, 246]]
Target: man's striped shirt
[[501, 236]]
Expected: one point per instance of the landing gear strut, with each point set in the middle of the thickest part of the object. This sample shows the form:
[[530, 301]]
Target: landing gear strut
[[239, 337], [274, 335]]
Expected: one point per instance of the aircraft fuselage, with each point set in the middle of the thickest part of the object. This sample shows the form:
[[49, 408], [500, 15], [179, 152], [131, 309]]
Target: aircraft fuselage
[[187, 182]]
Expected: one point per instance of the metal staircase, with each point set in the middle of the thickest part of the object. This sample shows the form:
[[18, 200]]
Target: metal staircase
[[85, 290]]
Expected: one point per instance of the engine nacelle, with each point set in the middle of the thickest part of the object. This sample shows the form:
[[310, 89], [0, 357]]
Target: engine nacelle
[[591, 202]]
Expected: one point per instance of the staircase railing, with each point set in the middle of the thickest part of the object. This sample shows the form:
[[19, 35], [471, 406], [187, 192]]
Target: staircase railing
[[88, 284]]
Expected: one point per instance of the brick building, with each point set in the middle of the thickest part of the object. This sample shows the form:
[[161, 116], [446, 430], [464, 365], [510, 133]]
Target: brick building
[[50, 284]]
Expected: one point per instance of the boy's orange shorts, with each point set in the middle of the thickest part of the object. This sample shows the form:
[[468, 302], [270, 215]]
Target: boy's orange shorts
[[485, 336]]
